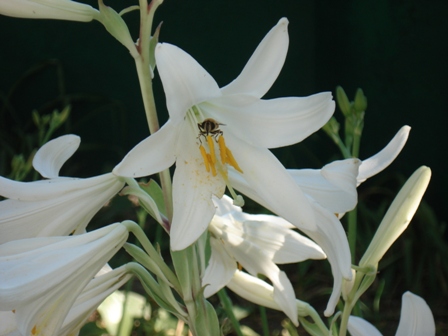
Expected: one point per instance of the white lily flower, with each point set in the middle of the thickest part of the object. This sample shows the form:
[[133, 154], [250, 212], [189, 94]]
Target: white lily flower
[[56, 206], [90, 298], [48, 9], [416, 319], [258, 243], [212, 128], [332, 190], [40, 278]]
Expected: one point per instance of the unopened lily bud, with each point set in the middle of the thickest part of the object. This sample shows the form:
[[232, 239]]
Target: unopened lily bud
[[360, 103], [397, 217], [343, 102]]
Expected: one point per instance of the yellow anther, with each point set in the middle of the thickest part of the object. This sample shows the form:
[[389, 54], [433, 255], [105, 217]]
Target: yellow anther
[[212, 164], [222, 149], [204, 156], [211, 145], [231, 160]]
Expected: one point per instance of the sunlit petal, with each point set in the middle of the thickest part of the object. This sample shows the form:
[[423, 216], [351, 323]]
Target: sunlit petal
[[272, 123], [263, 67], [185, 82], [333, 186], [152, 155], [385, 157]]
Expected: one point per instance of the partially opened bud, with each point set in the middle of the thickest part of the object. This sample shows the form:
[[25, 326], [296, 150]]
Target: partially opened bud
[[397, 217]]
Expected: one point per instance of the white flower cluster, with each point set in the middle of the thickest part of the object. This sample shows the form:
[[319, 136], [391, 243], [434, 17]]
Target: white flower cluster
[[53, 273]]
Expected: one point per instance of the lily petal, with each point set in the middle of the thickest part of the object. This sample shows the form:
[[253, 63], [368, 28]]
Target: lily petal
[[51, 156], [275, 122], [272, 183], [416, 317], [385, 157], [333, 186], [59, 211], [193, 188], [152, 155], [219, 271], [40, 278], [357, 326], [185, 82], [265, 64]]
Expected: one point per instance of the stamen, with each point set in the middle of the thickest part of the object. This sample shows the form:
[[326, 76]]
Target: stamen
[[211, 145], [231, 160], [212, 164], [205, 158], [222, 149]]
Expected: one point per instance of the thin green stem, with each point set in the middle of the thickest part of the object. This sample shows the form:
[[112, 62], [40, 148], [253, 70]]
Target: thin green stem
[[264, 320], [352, 232], [153, 254], [227, 304]]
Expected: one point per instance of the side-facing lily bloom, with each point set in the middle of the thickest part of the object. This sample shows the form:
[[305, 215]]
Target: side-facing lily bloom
[[332, 191], [40, 278], [98, 289], [56, 206], [416, 319], [212, 128], [48, 9], [257, 243]]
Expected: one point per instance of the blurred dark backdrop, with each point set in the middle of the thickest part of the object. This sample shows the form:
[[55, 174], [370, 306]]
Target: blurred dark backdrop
[[396, 51]]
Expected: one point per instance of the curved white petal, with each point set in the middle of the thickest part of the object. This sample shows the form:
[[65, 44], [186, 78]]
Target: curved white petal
[[48, 9], [40, 278], [385, 157], [51, 156], [58, 216], [416, 318], [8, 325], [46, 189], [91, 297], [271, 123], [253, 289], [152, 155], [279, 244], [265, 64], [185, 82], [333, 187], [193, 188], [220, 269], [271, 182], [360, 327]]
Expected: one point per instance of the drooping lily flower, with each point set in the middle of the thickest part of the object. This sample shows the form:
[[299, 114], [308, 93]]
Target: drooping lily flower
[[48, 9], [257, 243], [211, 129], [40, 278], [96, 291], [332, 191], [416, 319], [58, 205]]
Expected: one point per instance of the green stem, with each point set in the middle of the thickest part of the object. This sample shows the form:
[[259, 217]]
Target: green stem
[[153, 254], [227, 304], [142, 63], [264, 321], [352, 232]]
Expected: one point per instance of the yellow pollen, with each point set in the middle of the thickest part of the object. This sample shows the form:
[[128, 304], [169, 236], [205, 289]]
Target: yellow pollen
[[34, 330], [211, 145], [204, 156], [225, 155]]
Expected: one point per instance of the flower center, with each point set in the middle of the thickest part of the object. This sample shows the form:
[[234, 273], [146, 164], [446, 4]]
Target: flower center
[[209, 130]]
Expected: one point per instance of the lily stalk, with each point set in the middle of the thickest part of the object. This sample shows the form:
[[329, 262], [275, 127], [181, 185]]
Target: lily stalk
[[145, 64]]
